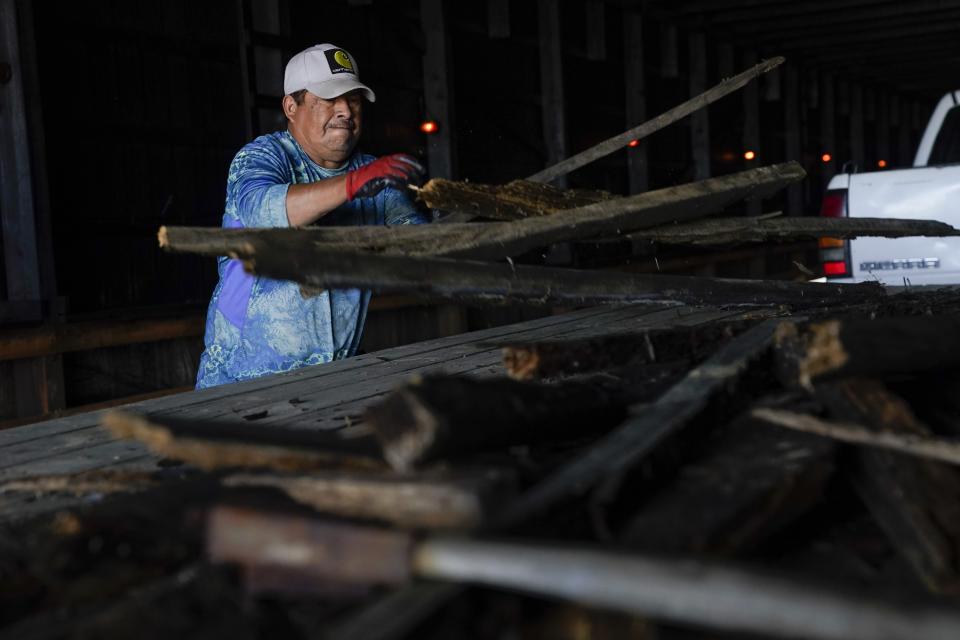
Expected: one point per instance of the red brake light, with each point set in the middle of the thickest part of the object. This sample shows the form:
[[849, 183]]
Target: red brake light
[[834, 268], [834, 204]]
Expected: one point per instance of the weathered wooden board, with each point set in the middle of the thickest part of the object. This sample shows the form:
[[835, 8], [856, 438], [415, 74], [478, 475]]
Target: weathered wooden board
[[512, 201], [876, 348], [497, 240], [605, 462], [727, 231], [747, 484], [481, 282], [915, 501], [322, 396]]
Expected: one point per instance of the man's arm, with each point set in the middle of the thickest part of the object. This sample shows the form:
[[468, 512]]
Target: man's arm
[[307, 203]]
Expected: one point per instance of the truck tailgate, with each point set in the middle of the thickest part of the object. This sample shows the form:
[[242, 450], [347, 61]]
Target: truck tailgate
[[927, 193]]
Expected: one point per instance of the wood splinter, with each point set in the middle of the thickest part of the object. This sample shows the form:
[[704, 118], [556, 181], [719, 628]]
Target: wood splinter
[[876, 348]]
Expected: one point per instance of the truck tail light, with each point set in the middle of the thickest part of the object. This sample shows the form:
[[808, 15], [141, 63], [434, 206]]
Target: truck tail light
[[835, 252]]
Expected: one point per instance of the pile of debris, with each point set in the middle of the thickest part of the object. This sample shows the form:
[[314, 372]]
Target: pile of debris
[[783, 477], [778, 475]]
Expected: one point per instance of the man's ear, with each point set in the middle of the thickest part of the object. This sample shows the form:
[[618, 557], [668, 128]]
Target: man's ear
[[289, 107]]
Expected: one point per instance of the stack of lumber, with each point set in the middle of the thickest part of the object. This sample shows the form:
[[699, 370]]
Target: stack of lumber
[[783, 472], [770, 475]]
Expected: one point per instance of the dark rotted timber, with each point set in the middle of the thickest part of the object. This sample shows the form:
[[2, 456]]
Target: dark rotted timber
[[430, 239], [749, 483], [694, 104], [497, 240], [212, 445], [453, 500], [623, 448], [880, 347], [502, 283], [543, 359], [915, 501], [722, 231], [678, 590], [512, 201], [441, 417]]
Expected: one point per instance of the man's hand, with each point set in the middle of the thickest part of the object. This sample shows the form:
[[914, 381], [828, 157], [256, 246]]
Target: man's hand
[[395, 171]]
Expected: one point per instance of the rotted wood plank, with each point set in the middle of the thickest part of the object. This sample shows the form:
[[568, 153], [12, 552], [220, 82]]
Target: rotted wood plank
[[442, 417], [673, 589], [513, 201], [497, 240], [424, 501], [482, 282], [225, 445], [915, 501], [929, 447], [618, 142], [536, 360], [748, 484], [876, 348], [608, 459], [729, 231]]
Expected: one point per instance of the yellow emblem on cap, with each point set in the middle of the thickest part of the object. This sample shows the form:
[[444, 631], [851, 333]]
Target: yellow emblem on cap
[[343, 59]]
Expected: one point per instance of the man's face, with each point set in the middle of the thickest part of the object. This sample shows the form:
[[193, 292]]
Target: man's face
[[328, 130]]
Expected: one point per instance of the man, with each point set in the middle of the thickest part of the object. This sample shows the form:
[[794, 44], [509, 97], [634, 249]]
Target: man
[[307, 174]]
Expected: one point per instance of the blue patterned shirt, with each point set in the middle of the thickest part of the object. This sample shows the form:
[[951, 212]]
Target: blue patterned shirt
[[258, 326]]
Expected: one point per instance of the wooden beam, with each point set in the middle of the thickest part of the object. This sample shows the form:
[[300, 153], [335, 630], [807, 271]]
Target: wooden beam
[[828, 137], [437, 87], [857, 149], [669, 51], [751, 122], [615, 453], [66, 338], [498, 18], [771, 87], [883, 129], [913, 500], [747, 469], [447, 417], [905, 148], [738, 230], [791, 105], [224, 445], [700, 119], [494, 241], [875, 348], [691, 106], [636, 97], [680, 591], [483, 282], [423, 501], [596, 25], [929, 447], [551, 86], [515, 200], [547, 359], [725, 60], [835, 15]]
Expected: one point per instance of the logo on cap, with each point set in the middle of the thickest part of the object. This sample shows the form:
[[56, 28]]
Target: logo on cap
[[339, 61]]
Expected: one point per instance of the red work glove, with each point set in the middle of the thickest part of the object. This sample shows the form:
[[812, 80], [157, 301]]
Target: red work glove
[[396, 171]]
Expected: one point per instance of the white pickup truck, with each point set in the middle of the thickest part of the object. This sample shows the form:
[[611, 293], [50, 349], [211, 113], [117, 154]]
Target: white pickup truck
[[930, 190]]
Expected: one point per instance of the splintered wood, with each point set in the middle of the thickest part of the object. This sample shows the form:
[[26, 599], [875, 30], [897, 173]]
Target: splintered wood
[[513, 201], [585, 461], [611, 458]]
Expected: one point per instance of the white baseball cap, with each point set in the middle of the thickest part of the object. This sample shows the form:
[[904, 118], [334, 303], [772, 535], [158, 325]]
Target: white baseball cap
[[324, 70]]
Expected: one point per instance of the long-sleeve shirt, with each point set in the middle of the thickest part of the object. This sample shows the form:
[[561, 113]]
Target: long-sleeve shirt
[[258, 326]]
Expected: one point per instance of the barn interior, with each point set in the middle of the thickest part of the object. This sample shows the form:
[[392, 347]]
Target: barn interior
[[550, 433]]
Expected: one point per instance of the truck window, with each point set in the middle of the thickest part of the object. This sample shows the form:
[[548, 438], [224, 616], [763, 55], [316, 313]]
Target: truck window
[[946, 150]]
